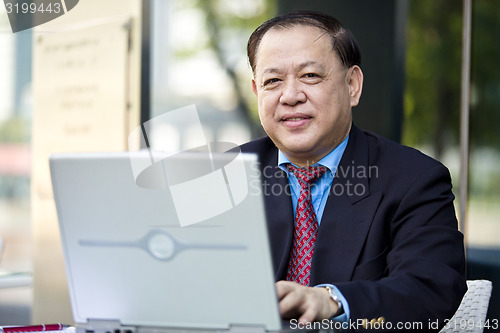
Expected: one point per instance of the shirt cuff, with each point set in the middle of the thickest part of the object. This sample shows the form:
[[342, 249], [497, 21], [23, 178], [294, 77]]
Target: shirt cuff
[[344, 317]]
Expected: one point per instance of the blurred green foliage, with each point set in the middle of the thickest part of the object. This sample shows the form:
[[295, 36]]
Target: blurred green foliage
[[433, 74], [485, 74], [228, 24], [433, 64], [225, 20], [15, 130]]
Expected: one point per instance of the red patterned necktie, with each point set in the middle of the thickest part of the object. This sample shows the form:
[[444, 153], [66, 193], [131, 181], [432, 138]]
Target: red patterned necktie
[[306, 225]]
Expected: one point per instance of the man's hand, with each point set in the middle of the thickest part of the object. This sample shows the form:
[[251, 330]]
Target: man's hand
[[306, 303]]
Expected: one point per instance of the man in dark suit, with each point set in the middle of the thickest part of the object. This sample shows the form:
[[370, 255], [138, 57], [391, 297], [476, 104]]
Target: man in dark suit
[[381, 235]]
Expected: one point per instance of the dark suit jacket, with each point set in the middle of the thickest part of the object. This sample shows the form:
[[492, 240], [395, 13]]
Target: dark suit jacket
[[388, 238]]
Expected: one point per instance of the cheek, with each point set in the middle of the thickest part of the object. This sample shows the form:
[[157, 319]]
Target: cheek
[[335, 101], [267, 104], [264, 111]]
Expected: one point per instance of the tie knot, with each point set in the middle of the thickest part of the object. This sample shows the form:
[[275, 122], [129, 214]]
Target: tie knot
[[307, 175]]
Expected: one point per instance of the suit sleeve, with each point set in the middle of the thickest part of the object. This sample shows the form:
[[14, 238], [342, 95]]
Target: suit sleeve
[[425, 274]]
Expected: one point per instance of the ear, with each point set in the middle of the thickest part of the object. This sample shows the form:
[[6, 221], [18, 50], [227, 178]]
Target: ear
[[254, 87], [355, 82]]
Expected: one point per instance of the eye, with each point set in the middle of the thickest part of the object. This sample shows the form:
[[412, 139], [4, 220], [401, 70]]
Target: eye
[[311, 75], [270, 81], [311, 78], [273, 80]]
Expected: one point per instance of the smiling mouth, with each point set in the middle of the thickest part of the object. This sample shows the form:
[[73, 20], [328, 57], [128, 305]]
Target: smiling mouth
[[296, 122], [296, 119]]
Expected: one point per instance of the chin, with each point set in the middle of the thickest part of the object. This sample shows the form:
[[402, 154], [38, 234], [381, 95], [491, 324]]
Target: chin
[[299, 151], [300, 146]]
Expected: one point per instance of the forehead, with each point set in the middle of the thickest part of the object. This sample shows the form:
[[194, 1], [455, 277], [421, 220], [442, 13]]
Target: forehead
[[297, 44]]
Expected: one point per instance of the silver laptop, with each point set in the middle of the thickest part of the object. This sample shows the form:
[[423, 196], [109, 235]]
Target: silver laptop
[[158, 243]]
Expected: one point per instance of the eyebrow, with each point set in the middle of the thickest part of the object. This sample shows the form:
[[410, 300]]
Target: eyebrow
[[301, 66]]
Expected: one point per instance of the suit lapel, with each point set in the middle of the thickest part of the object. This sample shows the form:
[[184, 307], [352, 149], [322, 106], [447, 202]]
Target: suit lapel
[[347, 216]]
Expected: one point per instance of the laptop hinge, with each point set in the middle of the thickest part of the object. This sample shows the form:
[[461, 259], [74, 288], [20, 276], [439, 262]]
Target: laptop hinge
[[104, 326], [239, 328]]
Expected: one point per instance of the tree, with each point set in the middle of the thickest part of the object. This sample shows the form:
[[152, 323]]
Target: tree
[[433, 74], [229, 23]]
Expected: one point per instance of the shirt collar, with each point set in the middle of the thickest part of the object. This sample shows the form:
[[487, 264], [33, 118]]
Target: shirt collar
[[331, 161]]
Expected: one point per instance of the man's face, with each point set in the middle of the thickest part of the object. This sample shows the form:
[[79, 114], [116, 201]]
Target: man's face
[[304, 92]]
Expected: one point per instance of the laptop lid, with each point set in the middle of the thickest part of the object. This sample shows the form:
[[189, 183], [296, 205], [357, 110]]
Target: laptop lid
[[145, 246]]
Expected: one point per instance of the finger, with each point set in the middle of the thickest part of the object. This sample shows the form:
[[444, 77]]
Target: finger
[[314, 306], [287, 305], [283, 288], [311, 307], [291, 305], [309, 315]]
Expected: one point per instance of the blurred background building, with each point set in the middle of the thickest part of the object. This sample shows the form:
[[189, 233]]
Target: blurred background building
[[197, 55]]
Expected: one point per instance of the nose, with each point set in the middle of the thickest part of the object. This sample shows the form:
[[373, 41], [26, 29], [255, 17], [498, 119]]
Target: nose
[[292, 93]]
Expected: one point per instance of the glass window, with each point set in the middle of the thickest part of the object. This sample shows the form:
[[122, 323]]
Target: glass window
[[15, 168], [199, 57], [432, 102], [15, 155]]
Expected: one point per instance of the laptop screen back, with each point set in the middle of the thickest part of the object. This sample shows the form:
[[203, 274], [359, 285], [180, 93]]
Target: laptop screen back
[[135, 255]]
